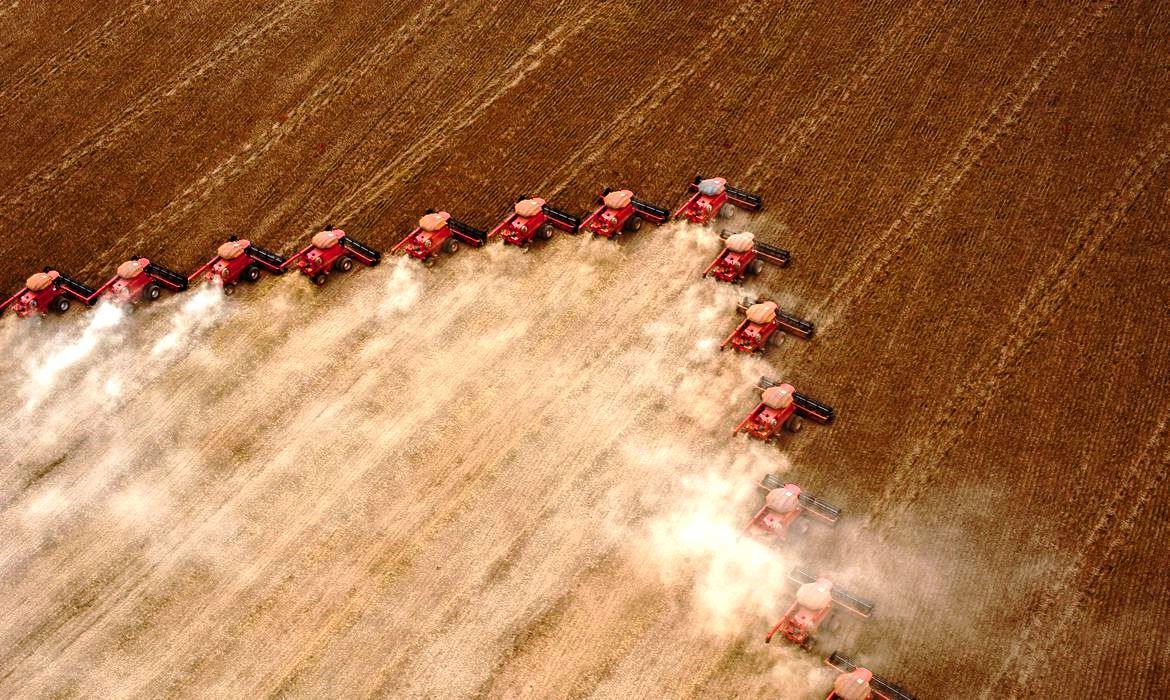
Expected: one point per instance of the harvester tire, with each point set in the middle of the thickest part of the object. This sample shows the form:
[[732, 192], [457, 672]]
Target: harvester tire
[[794, 424], [319, 278], [450, 246], [229, 289], [151, 292], [633, 224], [251, 274], [59, 305], [755, 267], [546, 231], [726, 211], [343, 264]]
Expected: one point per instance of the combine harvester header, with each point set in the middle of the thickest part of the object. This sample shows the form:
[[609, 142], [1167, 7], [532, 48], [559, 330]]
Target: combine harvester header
[[331, 250], [533, 218], [438, 230], [709, 197], [622, 212], [857, 683]]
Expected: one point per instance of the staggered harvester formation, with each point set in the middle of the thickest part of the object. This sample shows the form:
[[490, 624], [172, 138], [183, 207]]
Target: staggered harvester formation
[[786, 507]]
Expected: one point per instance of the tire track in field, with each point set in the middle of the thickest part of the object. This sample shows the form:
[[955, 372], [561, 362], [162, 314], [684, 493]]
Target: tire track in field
[[635, 114], [267, 26], [24, 81], [461, 116], [1038, 305], [1076, 583], [838, 94], [868, 265], [239, 162]]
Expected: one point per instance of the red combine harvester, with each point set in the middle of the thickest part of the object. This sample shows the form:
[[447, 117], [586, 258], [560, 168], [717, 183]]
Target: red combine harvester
[[814, 603], [533, 218], [857, 683], [331, 250], [784, 504], [708, 197], [763, 319], [437, 230], [47, 291], [621, 212], [742, 255], [139, 280], [781, 407], [239, 259]]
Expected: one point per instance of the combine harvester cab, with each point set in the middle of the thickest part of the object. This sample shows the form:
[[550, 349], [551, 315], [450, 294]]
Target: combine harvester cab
[[139, 280], [238, 260], [331, 250], [708, 200], [48, 290], [783, 505], [815, 598], [857, 683], [435, 231], [758, 329], [533, 218], [782, 408], [743, 255], [621, 212]]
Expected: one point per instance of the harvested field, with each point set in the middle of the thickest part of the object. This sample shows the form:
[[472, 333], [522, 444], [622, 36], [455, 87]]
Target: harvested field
[[511, 475]]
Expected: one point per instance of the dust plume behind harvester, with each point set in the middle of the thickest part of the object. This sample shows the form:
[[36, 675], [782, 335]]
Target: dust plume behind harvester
[[329, 251], [764, 324], [619, 212], [782, 408], [710, 199], [855, 682], [784, 505], [438, 230], [812, 607], [533, 218]]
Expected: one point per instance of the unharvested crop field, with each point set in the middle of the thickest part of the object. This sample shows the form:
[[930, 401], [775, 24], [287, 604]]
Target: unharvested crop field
[[511, 475]]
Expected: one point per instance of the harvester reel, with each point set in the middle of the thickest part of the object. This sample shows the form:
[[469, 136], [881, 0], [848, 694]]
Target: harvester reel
[[771, 481]]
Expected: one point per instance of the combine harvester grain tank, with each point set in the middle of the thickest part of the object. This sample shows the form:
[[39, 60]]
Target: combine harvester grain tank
[[533, 218], [709, 199], [438, 230], [619, 212]]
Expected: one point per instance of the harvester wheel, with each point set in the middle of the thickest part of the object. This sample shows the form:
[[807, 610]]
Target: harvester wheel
[[343, 264], [634, 223], [726, 211], [429, 262], [450, 246], [319, 278], [151, 292], [229, 289], [59, 305], [794, 424], [755, 267], [546, 231], [251, 274]]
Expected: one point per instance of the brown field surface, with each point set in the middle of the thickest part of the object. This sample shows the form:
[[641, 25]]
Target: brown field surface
[[511, 475]]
